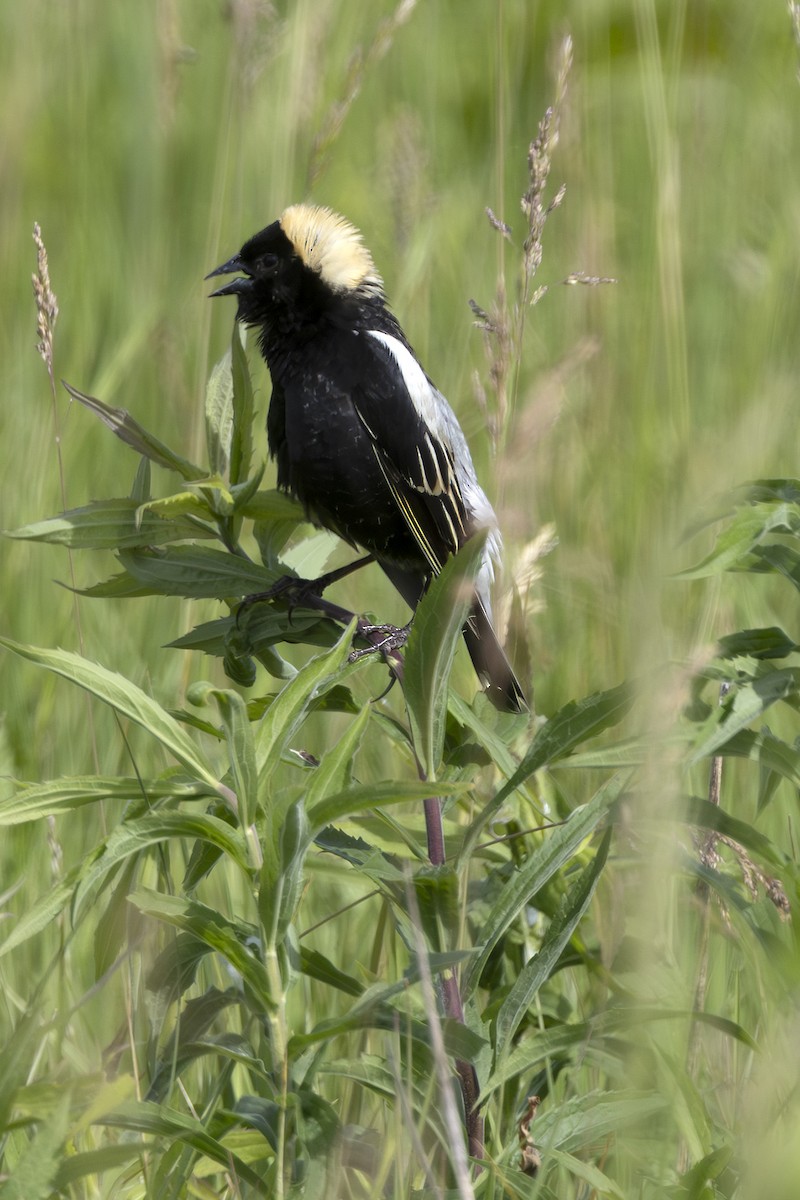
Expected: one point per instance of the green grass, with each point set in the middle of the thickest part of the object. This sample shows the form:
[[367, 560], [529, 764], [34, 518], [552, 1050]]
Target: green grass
[[148, 141]]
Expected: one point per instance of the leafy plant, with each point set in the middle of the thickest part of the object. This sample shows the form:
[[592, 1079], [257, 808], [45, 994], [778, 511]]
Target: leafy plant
[[264, 813]]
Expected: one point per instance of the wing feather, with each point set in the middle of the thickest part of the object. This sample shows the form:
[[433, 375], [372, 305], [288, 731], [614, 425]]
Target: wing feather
[[407, 422]]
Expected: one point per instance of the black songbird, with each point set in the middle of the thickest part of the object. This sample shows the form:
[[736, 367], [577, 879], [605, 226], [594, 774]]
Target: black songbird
[[361, 436]]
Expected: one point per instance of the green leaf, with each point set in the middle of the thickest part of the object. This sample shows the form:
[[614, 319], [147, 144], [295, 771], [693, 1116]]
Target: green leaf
[[95, 1162], [135, 837], [762, 490], [286, 712], [184, 1044], [367, 1070], [197, 572], [241, 748], [189, 503], [142, 1116], [739, 710], [219, 414], [241, 442], [33, 1174], [308, 557], [56, 796], [745, 530], [696, 810], [121, 586], [245, 491], [459, 1041], [272, 505], [18, 1055], [694, 1181], [209, 636], [334, 773], [42, 914], [601, 1031], [315, 965], [140, 492], [110, 525], [539, 969], [438, 622], [780, 559], [123, 696], [573, 724], [135, 435], [368, 859], [213, 929], [111, 932], [279, 893], [757, 643], [175, 969], [489, 738], [559, 846], [597, 1183], [364, 797], [776, 758], [580, 1121]]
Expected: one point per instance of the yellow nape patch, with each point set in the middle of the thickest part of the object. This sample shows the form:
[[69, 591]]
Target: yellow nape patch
[[332, 247]]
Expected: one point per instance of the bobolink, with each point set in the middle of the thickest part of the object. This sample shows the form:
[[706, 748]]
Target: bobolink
[[361, 436]]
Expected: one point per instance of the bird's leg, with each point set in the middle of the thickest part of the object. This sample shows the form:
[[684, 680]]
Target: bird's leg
[[307, 593], [385, 640]]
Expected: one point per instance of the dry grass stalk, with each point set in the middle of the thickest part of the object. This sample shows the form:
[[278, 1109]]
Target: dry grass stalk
[[360, 62], [46, 303]]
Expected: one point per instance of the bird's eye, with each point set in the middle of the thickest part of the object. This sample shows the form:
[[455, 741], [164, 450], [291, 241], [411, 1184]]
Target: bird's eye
[[267, 262]]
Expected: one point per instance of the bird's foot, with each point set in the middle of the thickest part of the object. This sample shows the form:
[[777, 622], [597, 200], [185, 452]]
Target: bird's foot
[[383, 639]]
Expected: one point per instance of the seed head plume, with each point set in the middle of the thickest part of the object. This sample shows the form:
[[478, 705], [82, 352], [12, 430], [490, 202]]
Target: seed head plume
[[46, 302]]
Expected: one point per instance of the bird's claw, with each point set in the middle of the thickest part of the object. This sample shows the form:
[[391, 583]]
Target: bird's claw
[[383, 639]]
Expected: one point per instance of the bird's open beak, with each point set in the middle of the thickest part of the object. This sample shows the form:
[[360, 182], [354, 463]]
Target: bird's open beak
[[236, 286]]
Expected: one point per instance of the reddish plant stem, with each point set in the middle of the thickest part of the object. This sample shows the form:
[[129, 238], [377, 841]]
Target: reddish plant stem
[[450, 994]]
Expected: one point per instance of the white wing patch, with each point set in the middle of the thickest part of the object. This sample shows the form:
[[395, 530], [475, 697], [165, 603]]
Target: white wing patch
[[442, 422], [423, 394]]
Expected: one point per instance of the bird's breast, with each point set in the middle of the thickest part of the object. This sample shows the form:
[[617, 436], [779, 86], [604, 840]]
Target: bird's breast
[[330, 465]]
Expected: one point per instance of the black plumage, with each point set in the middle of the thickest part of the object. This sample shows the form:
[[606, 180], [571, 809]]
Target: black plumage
[[359, 432]]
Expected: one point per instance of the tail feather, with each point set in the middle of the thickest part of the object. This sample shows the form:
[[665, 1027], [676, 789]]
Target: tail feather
[[488, 657], [491, 664]]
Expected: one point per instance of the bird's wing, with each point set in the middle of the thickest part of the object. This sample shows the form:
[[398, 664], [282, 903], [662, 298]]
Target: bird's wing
[[411, 428]]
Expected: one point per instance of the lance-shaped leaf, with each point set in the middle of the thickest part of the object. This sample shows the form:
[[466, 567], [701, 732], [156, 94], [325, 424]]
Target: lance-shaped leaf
[[438, 622], [573, 724], [197, 572], [224, 936], [558, 848], [143, 1116], [219, 414], [57, 796], [241, 445], [540, 968], [126, 698], [128, 429], [110, 525]]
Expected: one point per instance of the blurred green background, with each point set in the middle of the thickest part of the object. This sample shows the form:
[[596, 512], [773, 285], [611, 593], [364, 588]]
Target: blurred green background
[[150, 139]]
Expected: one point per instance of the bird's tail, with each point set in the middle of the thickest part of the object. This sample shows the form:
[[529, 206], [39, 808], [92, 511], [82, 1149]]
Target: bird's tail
[[491, 664]]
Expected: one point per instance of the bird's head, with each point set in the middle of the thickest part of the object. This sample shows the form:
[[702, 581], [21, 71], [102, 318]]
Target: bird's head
[[303, 263]]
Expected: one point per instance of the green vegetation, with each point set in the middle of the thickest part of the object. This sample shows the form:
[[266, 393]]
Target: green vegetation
[[223, 941]]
